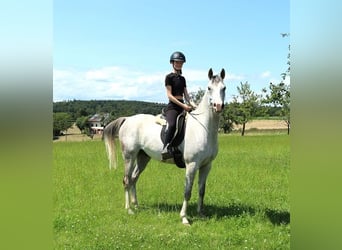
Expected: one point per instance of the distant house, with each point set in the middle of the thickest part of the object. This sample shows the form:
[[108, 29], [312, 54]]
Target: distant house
[[96, 123]]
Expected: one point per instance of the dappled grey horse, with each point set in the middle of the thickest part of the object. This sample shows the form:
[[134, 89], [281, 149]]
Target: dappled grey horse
[[139, 136]]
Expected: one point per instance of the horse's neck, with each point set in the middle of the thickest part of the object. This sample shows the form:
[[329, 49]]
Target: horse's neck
[[207, 116]]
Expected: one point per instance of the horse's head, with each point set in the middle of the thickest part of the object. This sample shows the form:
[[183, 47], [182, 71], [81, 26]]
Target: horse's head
[[216, 90]]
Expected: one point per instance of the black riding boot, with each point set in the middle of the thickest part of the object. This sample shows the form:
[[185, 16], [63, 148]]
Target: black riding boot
[[166, 152]]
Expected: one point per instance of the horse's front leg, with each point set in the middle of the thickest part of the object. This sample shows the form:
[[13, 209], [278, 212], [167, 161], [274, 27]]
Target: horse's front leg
[[189, 181], [202, 178]]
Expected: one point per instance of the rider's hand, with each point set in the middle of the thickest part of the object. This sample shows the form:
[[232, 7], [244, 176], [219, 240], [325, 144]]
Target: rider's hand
[[193, 105], [187, 108]]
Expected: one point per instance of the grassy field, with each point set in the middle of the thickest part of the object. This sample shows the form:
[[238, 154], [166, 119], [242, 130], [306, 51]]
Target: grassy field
[[247, 199]]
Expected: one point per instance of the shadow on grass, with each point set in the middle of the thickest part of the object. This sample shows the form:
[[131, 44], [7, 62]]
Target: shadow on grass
[[232, 210], [278, 217]]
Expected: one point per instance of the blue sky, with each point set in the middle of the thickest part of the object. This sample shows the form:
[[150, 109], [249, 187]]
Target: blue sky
[[115, 50]]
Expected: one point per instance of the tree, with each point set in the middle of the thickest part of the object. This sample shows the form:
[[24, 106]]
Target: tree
[[287, 72], [81, 122], [61, 122], [279, 96], [227, 119], [197, 96], [245, 105]]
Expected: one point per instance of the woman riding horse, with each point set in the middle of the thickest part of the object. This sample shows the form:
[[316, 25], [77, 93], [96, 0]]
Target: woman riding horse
[[175, 85]]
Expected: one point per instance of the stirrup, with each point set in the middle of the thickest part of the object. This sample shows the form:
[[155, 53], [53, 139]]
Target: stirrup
[[166, 156], [166, 152]]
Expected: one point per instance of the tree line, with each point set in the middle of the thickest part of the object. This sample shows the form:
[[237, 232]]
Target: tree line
[[79, 108]]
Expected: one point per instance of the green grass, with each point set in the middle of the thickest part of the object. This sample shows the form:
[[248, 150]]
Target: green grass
[[247, 199]]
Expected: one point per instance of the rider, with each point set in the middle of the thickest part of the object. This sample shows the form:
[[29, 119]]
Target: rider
[[176, 89]]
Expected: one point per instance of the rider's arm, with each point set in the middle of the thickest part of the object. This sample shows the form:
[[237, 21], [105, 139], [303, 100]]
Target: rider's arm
[[188, 99]]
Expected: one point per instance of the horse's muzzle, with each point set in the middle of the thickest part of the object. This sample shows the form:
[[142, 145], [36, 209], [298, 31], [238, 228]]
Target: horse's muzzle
[[218, 107]]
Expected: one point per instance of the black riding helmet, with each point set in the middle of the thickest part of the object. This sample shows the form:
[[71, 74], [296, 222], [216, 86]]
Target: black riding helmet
[[177, 56]]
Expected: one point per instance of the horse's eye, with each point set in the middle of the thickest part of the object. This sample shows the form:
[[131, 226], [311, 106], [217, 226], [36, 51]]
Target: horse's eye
[[209, 88]]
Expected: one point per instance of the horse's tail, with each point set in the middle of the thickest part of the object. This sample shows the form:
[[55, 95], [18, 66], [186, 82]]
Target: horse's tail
[[110, 132]]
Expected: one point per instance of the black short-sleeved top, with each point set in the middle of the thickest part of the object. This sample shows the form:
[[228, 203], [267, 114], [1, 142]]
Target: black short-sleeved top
[[177, 82]]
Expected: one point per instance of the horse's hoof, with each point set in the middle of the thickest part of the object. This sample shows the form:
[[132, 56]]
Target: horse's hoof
[[130, 211], [185, 221]]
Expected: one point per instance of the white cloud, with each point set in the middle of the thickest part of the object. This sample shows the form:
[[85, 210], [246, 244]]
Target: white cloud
[[193, 75], [108, 83], [233, 77], [60, 74], [265, 74], [150, 79], [106, 73]]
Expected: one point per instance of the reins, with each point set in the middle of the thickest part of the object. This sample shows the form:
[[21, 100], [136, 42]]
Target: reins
[[193, 116]]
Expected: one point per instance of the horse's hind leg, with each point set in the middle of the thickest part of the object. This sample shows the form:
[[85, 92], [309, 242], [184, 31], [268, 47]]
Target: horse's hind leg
[[142, 161], [127, 181]]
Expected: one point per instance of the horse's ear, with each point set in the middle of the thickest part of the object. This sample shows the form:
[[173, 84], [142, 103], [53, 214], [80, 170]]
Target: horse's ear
[[210, 74], [223, 74]]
